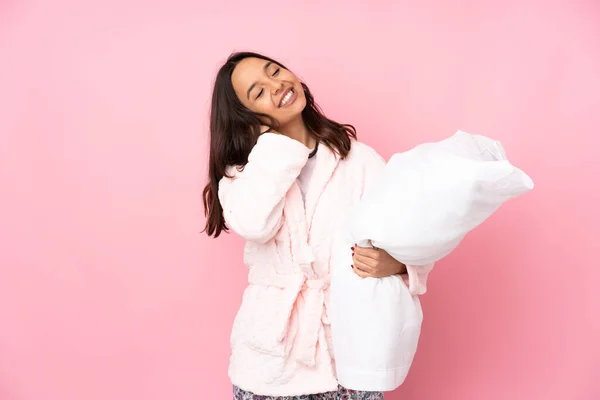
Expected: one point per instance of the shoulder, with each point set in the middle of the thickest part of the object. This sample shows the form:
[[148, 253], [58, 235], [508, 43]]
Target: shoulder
[[361, 153]]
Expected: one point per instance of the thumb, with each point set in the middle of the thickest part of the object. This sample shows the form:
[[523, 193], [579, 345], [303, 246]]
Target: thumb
[[372, 245]]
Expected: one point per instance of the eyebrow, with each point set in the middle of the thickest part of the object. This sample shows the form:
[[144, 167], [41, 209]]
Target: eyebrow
[[265, 68]]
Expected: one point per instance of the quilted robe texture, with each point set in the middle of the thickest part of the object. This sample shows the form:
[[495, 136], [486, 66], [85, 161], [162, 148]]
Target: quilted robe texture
[[281, 337]]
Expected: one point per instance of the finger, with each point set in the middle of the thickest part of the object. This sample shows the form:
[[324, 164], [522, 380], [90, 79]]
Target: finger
[[369, 262], [360, 272], [367, 252], [373, 246], [364, 267], [361, 266]]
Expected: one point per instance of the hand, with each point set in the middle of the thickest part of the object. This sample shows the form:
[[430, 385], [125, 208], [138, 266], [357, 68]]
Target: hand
[[375, 263]]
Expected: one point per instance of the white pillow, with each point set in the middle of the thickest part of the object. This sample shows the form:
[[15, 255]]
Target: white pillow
[[426, 200], [375, 326]]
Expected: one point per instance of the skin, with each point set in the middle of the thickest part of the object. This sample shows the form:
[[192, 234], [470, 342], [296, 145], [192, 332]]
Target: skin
[[260, 86], [375, 263]]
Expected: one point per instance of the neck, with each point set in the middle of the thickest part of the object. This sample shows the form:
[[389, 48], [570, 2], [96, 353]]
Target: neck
[[297, 130]]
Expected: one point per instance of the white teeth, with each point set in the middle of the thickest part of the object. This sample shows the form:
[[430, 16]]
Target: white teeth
[[287, 98]]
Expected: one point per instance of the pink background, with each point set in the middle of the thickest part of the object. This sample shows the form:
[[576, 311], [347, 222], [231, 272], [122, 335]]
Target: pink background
[[109, 291]]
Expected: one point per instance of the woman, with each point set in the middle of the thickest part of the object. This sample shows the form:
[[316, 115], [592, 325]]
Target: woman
[[283, 176]]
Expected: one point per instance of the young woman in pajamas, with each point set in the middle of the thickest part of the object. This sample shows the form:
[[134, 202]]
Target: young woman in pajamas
[[284, 176]]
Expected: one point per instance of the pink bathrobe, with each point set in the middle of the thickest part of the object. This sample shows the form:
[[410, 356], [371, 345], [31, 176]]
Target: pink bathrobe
[[281, 338]]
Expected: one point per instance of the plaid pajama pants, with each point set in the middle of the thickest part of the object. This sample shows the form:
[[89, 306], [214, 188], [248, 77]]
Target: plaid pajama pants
[[340, 394]]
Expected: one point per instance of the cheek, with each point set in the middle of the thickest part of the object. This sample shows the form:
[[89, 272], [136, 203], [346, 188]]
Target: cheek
[[259, 106], [288, 76], [299, 105], [301, 101], [266, 107]]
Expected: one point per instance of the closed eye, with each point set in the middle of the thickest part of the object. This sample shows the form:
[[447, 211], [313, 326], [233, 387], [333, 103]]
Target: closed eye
[[275, 73]]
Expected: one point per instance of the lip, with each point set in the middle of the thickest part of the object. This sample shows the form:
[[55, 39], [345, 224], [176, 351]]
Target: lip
[[292, 99]]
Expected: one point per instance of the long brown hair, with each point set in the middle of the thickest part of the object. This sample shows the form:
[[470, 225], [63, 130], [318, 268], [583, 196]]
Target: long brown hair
[[234, 130]]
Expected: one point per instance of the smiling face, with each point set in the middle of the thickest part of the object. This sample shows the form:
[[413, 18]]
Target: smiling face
[[266, 87]]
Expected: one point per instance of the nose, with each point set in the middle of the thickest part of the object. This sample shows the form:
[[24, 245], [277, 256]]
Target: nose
[[276, 87]]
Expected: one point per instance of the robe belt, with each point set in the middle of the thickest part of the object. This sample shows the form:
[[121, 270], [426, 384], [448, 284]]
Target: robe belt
[[293, 290]]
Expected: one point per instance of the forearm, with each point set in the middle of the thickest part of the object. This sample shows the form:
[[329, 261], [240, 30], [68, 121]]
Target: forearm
[[253, 198]]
